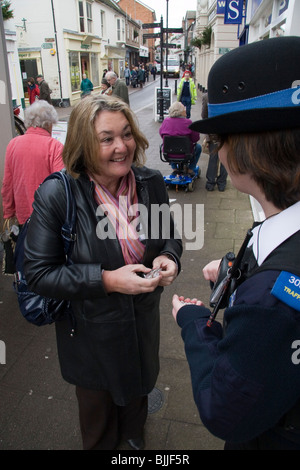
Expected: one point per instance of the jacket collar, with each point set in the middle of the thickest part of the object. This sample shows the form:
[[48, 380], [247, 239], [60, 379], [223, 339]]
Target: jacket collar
[[274, 231], [38, 130]]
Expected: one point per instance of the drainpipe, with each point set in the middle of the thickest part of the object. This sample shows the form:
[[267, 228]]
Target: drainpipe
[[61, 103]]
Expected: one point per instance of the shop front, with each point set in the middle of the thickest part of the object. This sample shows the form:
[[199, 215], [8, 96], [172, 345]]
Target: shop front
[[83, 57]]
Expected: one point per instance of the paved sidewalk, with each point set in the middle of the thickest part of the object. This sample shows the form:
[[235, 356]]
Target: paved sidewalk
[[39, 410]]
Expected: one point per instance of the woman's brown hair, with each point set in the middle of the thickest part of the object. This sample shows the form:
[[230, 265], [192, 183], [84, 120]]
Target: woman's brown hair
[[273, 160], [81, 149]]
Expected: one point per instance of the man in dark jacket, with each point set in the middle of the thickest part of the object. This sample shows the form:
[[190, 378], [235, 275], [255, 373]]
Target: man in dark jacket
[[45, 91], [119, 87]]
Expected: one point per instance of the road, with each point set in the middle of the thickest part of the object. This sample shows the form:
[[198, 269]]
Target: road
[[143, 97]]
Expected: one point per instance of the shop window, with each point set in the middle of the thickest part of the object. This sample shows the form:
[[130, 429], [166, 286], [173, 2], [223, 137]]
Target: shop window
[[95, 69], [74, 71]]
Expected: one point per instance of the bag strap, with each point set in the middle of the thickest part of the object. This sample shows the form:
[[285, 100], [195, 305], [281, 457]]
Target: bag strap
[[68, 229]]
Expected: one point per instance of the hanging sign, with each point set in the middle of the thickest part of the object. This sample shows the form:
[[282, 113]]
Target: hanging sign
[[234, 12], [221, 6]]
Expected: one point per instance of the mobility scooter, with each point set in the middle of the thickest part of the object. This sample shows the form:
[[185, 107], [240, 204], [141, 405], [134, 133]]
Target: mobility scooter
[[177, 150]]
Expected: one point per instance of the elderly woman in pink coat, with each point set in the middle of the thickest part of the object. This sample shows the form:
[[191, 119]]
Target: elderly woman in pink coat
[[29, 159]]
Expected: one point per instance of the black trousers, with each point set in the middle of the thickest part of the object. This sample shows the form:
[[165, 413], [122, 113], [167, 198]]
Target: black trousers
[[103, 423], [212, 175]]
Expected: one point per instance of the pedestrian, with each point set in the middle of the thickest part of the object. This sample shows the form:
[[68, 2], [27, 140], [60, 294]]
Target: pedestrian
[[154, 71], [86, 86], [245, 373], [216, 173], [33, 90], [45, 91], [187, 92], [119, 88], [177, 124], [146, 68], [134, 77], [29, 159], [141, 76], [113, 357], [127, 75], [105, 87]]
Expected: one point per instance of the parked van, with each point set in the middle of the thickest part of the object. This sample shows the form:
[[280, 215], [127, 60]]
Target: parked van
[[173, 66]]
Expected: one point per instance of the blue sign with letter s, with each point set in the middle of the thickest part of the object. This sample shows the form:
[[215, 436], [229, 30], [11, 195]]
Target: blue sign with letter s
[[234, 12]]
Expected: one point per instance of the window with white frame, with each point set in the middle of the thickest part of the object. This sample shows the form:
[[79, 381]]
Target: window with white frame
[[102, 22], [123, 31], [85, 16], [81, 17], [89, 19], [120, 30]]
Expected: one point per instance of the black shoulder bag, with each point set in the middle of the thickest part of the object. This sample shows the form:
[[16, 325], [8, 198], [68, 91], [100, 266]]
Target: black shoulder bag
[[35, 308]]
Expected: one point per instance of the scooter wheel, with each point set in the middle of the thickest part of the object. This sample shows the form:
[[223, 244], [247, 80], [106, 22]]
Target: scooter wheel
[[191, 186]]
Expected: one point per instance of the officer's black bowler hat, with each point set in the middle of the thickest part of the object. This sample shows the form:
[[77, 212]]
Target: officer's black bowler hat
[[254, 88]]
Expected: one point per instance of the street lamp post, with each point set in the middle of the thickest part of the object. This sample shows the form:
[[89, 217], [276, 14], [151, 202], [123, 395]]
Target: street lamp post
[[167, 37]]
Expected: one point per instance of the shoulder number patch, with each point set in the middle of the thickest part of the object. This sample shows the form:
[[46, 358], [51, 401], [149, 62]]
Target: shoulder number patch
[[287, 289]]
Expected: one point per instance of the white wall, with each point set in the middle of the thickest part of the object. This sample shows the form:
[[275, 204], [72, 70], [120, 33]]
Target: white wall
[[14, 64]]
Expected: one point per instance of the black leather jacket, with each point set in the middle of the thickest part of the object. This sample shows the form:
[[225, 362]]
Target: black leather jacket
[[110, 349]]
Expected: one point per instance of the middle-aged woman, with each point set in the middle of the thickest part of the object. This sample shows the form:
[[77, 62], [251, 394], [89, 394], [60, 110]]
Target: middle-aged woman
[[29, 159], [113, 357], [177, 124]]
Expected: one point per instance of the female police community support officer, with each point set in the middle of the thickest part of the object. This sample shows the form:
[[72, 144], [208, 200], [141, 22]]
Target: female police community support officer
[[246, 373]]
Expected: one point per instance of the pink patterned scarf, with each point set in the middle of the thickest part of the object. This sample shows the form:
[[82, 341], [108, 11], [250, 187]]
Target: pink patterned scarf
[[118, 209]]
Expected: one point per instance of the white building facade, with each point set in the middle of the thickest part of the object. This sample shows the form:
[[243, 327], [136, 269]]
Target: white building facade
[[224, 37], [272, 18], [14, 64], [62, 40], [261, 19]]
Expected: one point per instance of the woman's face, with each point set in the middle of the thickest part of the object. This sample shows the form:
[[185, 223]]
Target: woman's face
[[243, 182], [116, 146]]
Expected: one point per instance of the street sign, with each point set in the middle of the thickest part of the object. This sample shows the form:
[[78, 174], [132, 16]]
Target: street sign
[[151, 35], [170, 46], [173, 30], [234, 12], [150, 25], [164, 95]]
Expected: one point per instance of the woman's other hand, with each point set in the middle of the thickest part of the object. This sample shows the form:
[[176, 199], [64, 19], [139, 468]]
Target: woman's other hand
[[169, 269], [128, 280]]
